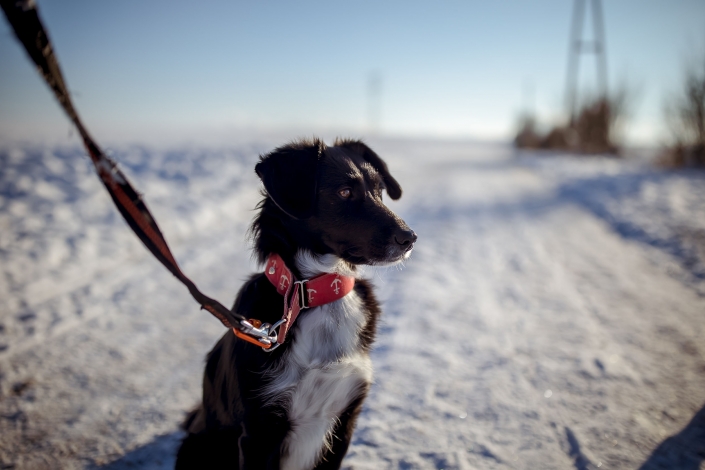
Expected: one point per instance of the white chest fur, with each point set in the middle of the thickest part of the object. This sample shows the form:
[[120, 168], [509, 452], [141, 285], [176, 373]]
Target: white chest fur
[[320, 375]]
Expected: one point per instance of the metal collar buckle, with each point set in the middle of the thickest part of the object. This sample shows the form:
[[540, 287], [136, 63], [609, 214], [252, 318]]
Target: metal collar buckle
[[303, 294]]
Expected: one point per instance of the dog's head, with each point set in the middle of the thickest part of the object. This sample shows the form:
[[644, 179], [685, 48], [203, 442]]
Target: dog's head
[[330, 201]]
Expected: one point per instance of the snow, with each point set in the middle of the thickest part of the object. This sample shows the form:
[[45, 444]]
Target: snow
[[551, 316]]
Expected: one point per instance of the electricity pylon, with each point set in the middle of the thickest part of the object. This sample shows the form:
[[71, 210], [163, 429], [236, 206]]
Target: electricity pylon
[[578, 46]]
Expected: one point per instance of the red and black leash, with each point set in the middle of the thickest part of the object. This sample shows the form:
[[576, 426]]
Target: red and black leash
[[22, 15]]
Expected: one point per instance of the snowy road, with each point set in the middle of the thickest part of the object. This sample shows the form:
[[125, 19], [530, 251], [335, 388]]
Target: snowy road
[[552, 315]]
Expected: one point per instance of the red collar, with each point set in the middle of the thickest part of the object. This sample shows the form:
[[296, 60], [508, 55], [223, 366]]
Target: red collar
[[320, 290]]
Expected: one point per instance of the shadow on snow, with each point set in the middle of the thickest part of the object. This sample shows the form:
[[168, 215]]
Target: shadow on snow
[[615, 199], [159, 454], [685, 450]]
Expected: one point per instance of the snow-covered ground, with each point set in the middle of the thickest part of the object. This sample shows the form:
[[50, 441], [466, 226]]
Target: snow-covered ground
[[551, 316]]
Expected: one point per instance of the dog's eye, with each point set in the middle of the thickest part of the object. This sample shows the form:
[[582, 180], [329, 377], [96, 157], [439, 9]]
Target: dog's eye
[[345, 193]]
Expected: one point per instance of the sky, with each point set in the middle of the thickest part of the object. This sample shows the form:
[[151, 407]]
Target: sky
[[459, 69]]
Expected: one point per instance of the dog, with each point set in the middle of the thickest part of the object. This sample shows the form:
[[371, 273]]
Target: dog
[[295, 407]]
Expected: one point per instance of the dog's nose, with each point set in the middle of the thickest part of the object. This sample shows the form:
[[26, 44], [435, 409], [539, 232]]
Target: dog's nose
[[405, 237]]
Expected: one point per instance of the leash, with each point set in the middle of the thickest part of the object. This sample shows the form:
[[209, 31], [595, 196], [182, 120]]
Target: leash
[[22, 15]]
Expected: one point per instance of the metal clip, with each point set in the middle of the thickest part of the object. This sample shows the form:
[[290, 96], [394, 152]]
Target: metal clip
[[272, 328], [272, 334], [264, 333], [273, 346]]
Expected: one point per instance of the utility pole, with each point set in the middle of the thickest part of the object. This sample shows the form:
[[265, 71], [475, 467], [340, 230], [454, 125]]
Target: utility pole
[[374, 101], [577, 46]]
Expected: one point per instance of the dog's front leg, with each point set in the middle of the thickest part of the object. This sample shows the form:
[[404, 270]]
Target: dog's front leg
[[342, 434], [261, 440]]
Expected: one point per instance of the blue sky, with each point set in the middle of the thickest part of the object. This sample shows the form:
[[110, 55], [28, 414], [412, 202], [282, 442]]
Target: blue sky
[[458, 69]]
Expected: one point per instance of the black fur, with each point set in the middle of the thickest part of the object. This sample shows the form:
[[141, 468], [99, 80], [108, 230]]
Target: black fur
[[235, 427]]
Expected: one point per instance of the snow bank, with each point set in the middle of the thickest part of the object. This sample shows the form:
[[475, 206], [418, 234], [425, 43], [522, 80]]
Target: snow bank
[[551, 316]]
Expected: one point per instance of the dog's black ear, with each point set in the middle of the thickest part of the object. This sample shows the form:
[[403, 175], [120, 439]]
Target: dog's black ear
[[393, 187], [289, 174]]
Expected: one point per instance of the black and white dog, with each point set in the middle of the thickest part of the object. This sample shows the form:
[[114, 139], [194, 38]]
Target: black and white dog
[[296, 407]]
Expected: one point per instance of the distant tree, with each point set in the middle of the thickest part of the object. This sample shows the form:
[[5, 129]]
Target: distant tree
[[685, 116], [598, 121], [527, 137], [593, 131]]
